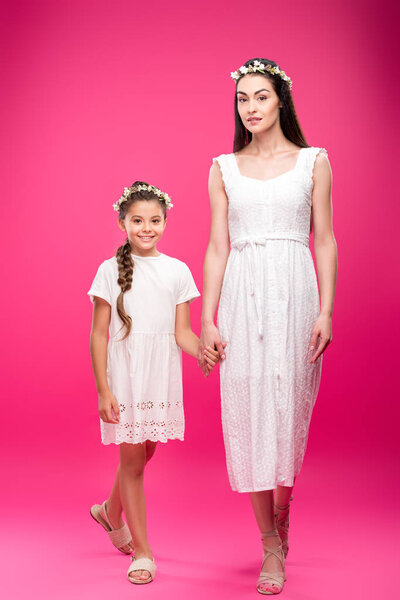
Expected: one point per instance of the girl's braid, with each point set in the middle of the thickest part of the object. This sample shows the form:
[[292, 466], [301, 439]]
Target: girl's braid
[[125, 276]]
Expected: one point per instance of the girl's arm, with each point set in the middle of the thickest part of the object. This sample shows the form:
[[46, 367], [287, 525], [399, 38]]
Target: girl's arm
[[325, 250], [214, 263], [188, 340], [98, 352]]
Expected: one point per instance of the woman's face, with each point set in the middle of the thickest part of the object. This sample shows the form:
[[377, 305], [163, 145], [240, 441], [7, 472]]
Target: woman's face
[[258, 103], [144, 224]]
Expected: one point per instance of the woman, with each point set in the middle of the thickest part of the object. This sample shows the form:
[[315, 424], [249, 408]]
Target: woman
[[265, 198]]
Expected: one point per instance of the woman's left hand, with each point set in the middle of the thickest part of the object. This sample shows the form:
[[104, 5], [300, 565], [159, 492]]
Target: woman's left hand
[[322, 330]]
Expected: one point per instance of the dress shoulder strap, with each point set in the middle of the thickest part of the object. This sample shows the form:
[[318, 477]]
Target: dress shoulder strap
[[311, 154], [226, 165]]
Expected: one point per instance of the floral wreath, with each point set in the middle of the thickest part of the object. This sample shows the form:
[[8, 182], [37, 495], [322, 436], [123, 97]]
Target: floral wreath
[[260, 67], [142, 187]]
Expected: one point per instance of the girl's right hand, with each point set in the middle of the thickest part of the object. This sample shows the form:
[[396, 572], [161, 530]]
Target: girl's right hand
[[108, 408]]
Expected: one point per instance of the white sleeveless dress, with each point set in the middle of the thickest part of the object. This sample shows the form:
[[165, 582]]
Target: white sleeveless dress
[[269, 303]]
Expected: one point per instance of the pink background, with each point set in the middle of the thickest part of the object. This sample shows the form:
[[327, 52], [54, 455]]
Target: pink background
[[95, 95]]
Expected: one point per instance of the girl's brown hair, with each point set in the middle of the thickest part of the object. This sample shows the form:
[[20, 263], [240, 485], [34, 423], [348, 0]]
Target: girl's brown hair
[[124, 252], [288, 118]]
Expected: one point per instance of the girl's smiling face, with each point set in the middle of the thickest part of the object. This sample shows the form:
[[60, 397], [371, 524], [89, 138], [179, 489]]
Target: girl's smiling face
[[257, 102], [144, 224]]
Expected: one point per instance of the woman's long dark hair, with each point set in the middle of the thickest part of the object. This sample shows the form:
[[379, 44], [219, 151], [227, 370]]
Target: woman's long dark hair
[[288, 118]]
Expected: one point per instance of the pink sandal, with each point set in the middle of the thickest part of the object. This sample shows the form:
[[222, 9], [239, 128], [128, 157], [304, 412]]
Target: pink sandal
[[119, 537]]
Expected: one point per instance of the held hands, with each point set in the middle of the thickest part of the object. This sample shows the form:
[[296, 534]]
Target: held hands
[[108, 408], [211, 349], [322, 330], [211, 358]]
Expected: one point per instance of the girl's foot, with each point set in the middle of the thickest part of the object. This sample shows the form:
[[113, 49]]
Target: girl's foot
[[120, 535], [272, 576], [142, 569], [116, 522]]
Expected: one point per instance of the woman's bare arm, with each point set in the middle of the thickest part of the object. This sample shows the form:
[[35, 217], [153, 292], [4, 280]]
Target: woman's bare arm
[[214, 262], [325, 249]]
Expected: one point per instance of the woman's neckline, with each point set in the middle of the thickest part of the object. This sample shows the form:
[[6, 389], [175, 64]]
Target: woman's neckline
[[271, 178], [147, 257]]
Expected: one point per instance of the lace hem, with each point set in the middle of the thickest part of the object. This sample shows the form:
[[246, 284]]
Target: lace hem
[[137, 433], [129, 440]]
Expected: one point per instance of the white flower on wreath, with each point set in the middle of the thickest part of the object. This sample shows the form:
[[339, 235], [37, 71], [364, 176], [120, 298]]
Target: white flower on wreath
[[150, 188], [261, 68]]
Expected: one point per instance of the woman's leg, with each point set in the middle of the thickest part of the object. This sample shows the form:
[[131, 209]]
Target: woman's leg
[[263, 506], [283, 495], [133, 458]]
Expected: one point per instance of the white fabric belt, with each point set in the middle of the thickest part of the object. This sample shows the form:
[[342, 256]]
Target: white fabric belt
[[280, 235], [255, 266]]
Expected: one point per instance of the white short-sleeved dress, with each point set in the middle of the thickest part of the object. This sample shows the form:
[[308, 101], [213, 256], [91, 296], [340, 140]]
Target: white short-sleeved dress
[[144, 371], [269, 303]]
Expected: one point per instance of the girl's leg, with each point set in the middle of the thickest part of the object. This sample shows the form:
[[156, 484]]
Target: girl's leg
[[133, 458], [113, 502], [114, 508], [150, 449], [263, 506]]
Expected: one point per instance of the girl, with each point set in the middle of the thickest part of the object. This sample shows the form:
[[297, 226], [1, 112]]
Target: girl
[[141, 299], [265, 196]]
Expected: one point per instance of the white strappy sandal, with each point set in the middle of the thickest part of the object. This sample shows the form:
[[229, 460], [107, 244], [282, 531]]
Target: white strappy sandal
[[142, 564], [274, 580]]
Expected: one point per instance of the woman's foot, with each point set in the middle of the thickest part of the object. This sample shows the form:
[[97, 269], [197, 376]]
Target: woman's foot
[[272, 576]]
